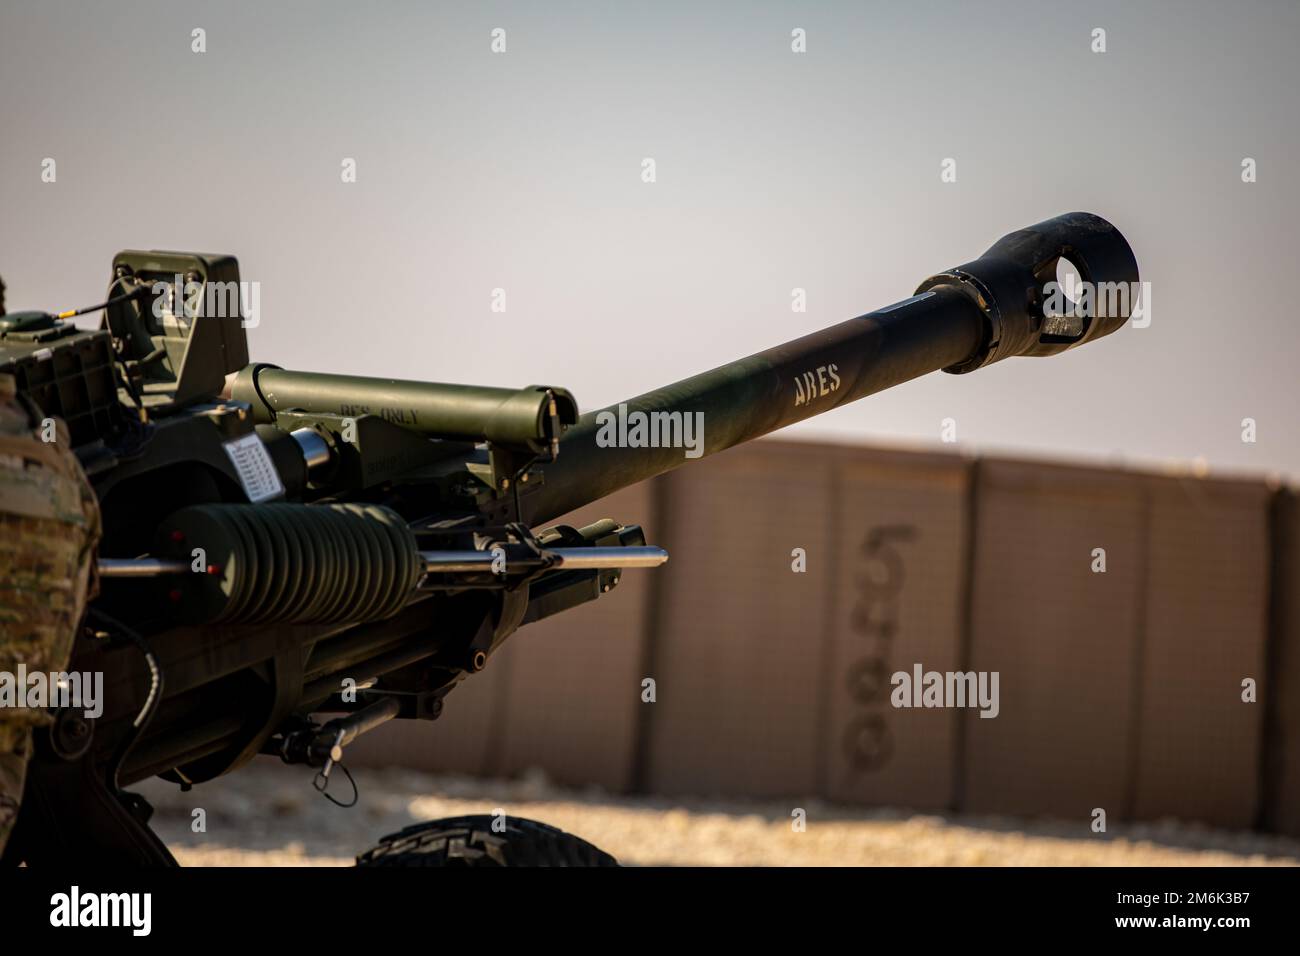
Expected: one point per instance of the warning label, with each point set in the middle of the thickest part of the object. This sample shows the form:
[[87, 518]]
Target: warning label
[[256, 470]]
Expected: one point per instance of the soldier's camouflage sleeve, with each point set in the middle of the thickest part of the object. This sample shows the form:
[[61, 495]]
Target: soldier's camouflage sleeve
[[49, 530]]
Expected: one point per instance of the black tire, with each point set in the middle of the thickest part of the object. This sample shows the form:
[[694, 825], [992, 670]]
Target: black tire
[[471, 841]]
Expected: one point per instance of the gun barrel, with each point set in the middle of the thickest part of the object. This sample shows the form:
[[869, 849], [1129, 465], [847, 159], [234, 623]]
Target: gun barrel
[[960, 320], [746, 399]]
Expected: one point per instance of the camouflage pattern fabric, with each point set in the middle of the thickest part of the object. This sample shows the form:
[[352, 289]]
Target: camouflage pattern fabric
[[49, 530]]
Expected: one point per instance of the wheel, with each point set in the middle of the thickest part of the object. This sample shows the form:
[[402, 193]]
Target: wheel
[[472, 841]]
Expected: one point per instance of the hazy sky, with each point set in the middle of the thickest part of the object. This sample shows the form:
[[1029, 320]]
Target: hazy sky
[[821, 170]]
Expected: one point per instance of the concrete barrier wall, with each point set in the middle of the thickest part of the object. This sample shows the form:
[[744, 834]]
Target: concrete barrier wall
[[1119, 689], [900, 542], [740, 638], [1063, 639], [1206, 629]]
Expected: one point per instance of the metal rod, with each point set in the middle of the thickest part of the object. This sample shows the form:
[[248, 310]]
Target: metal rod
[[443, 562], [140, 567], [646, 556], [360, 722], [435, 562]]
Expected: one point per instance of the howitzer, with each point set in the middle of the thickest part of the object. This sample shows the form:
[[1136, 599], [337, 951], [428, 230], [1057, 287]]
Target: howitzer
[[273, 538]]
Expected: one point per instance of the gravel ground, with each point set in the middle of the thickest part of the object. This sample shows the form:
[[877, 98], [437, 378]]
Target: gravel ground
[[269, 815]]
